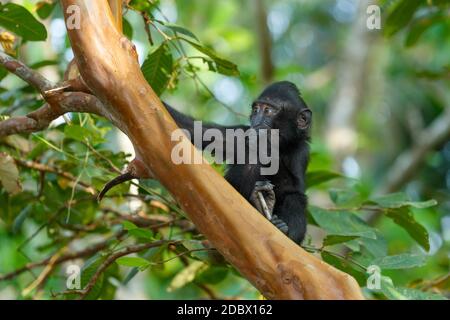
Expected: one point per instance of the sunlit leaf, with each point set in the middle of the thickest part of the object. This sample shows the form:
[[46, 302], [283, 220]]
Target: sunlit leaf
[[187, 275], [9, 174], [19, 20], [341, 223], [401, 261], [133, 262], [401, 15], [158, 67], [317, 177]]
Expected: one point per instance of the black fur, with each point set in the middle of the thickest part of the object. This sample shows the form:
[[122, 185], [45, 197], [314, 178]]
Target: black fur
[[293, 119]]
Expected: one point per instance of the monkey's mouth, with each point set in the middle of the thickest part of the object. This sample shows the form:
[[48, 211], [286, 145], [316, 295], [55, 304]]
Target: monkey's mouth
[[262, 126]]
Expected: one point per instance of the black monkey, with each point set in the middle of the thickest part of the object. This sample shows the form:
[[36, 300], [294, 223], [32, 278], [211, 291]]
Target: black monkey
[[280, 106]]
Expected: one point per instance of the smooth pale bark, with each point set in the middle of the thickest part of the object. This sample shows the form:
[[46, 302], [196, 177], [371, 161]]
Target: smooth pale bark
[[273, 263]]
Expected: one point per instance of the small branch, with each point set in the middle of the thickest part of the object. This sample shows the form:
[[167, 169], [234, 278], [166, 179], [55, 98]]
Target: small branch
[[41, 118], [59, 100], [112, 258], [265, 42], [27, 74], [67, 175], [408, 163], [63, 258], [40, 281]]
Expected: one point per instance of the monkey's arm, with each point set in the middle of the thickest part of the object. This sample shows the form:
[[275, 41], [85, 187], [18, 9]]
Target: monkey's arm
[[187, 123]]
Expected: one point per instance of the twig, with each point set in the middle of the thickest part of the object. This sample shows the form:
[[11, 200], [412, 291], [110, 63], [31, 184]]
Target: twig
[[40, 281], [113, 257], [63, 258], [46, 168], [409, 161]]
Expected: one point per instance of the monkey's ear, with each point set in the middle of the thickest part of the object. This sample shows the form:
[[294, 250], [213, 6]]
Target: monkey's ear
[[304, 119]]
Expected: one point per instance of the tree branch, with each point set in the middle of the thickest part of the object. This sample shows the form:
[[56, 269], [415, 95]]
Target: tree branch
[[41, 118], [266, 257], [265, 42], [407, 164], [27, 74]]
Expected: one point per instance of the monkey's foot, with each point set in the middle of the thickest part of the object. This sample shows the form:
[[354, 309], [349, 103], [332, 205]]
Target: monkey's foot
[[280, 224]]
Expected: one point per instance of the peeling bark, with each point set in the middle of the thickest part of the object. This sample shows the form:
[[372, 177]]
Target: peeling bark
[[108, 64]]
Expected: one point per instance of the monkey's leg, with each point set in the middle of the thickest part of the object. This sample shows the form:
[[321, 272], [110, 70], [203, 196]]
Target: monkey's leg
[[280, 224]]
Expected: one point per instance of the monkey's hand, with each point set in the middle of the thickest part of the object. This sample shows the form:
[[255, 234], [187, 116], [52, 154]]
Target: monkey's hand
[[280, 224], [266, 189]]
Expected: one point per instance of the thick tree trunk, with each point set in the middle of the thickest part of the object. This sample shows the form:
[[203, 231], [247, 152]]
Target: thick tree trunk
[[273, 263]]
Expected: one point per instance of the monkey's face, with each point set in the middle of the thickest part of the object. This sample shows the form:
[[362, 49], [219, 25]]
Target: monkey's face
[[281, 107], [263, 115]]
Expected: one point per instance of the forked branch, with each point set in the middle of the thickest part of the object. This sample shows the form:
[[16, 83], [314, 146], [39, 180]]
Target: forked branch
[[273, 263]]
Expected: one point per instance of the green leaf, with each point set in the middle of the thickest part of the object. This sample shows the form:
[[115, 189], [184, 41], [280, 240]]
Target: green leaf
[[375, 247], [178, 29], [399, 200], [141, 233], [401, 15], [21, 217], [405, 219], [9, 174], [158, 67], [19, 20], [397, 207], [346, 197], [45, 9], [79, 133], [127, 29], [400, 293], [213, 275], [128, 225], [3, 72], [200, 254], [187, 275], [87, 272], [317, 177], [344, 265], [133, 262], [332, 239], [44, 63], [143, 5], [220, 64], [401, 261], [341, 223]]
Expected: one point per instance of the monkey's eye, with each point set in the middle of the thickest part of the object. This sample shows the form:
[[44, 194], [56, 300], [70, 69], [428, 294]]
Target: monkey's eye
[[270, 111]]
